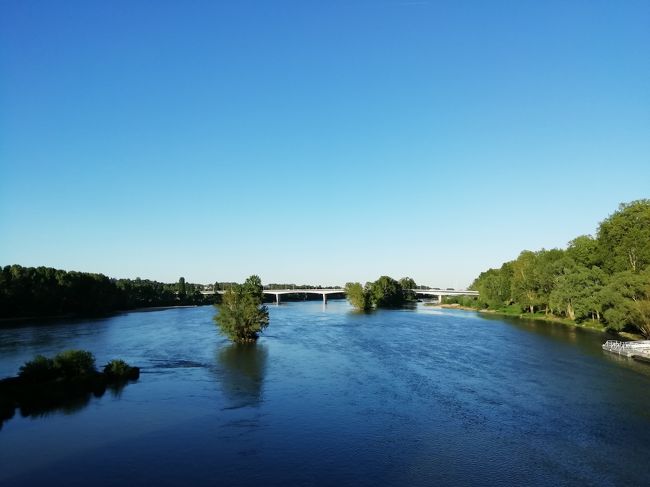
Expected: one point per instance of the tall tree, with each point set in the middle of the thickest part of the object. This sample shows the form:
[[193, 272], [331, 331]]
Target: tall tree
[[642, 313], [620, 296], [408, 285], [358, 296], [624, 237], [576, 293], [253, 286], [549, 264], [525, 284], [241, 315], [181, 289], [386, 292], [584, 251]]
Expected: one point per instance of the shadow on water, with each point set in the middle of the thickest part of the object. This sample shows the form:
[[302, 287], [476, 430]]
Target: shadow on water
[[50, 399], [241, 369], [583, 337]]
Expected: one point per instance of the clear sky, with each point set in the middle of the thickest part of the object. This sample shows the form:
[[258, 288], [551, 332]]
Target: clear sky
[[316, 142]]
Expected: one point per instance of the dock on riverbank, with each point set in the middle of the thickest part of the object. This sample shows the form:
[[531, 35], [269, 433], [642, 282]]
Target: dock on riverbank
[[638, 350]]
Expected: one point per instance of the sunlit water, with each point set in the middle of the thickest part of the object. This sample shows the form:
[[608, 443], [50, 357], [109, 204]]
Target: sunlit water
[[332, 397]]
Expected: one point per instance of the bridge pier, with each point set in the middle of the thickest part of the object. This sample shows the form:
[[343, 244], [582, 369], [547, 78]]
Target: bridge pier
[[277, 299], [324, 298]]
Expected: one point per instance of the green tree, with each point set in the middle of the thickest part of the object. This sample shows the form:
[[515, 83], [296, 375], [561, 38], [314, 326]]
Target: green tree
[[75, 363], [408, 285], [253, 286], [386, 292], [241, 315], [525, 283], [549, 264], [624, 238], [358, 296], [494, 286], [584, 251], [642, 313], [181, 288], [576, 293], [620, 298]]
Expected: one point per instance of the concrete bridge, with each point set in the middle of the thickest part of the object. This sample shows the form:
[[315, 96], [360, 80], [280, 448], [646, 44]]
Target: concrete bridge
[[324, 292], [436, 293], [440, 293]]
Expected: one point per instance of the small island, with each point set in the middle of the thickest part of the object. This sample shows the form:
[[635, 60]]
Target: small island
[[63, 382]]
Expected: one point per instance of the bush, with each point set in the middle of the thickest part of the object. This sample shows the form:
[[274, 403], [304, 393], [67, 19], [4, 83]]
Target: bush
[[119, 369], [75, 363], [41, 369]]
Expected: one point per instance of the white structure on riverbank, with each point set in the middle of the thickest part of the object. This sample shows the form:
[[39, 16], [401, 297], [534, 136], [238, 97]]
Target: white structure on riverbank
[[639, 349]]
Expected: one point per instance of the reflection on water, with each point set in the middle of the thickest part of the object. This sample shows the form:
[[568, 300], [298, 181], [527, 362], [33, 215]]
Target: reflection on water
[[59, 399], [240, 370]]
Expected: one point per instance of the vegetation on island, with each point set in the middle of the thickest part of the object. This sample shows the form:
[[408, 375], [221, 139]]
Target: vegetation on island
[[44, 291], [385, 292], [66, 382], [241, 315], [601, 281]]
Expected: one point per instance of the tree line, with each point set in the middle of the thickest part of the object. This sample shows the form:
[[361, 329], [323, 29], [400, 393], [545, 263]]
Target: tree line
[[44, 291], [603, 279]]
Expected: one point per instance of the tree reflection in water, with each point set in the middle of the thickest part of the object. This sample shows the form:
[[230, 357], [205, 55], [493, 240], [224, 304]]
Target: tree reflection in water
[[58, 398], [241, 369]]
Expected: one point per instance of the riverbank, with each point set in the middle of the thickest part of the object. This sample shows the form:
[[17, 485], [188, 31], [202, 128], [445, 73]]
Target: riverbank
[[543, 317]]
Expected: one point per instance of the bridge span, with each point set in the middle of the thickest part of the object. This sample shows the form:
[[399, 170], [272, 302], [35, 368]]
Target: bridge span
[[436, 293], [440, 293]]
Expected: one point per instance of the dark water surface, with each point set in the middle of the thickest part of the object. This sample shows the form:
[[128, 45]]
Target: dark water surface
[[332, 397]]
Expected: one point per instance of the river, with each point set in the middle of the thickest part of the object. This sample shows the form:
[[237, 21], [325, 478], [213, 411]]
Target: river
[[329, 396]]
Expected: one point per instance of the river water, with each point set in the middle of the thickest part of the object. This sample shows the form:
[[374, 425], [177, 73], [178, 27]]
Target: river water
[[328, 396]]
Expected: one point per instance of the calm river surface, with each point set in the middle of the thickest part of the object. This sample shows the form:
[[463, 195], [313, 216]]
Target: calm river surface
[[332, 397]]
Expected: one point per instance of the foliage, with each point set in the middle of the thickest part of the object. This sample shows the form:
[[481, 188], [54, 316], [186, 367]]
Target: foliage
[[386, 292], [66, 365], [241, 316], [74, 363], [253, 287], [464, 301], [624, 238], [642, 313], [494, 287], [181, 288], [604, 279], [408, 284], [358, 296], [584, 251], [40, 369], [120, 370], [621, 298], [576, 294], [43, 291], [66, 382]]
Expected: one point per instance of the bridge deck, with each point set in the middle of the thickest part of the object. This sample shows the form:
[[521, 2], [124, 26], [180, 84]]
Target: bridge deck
[[429, 292]]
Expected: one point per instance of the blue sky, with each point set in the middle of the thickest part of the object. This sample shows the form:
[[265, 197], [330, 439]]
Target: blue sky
[[316, 142]]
